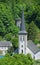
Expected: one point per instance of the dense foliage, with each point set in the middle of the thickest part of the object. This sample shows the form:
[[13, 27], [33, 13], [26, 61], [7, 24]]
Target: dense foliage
[[17, 59], [12, 9], [8, 30]]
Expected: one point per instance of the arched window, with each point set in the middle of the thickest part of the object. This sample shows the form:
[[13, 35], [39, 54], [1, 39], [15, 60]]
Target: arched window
[[22, 51], [22, 45]]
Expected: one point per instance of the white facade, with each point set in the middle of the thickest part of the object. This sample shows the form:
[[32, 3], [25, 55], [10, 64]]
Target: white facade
[[37, 56], [22, 44], [30, 52], [3, 50]]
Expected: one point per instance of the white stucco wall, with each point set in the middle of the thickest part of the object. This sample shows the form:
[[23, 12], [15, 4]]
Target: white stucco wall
[[20, 48], [4, 50], [24, 43], [30, 52], [37, 56]]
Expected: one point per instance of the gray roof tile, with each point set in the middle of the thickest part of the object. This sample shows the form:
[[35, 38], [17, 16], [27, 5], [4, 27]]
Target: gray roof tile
[[32, 47], [5, 44]]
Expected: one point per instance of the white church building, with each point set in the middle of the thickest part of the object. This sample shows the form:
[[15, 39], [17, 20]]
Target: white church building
[[26, 46]]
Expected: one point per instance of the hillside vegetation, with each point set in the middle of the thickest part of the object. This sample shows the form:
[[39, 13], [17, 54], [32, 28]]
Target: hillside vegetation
[[9, 11], [12, 9]]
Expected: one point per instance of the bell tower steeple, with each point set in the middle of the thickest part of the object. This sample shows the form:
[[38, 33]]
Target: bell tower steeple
[[22, 22], [22, 36]]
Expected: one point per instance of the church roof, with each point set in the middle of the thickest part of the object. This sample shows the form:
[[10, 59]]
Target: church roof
[[22, 33], [5, 44], [32, 47]]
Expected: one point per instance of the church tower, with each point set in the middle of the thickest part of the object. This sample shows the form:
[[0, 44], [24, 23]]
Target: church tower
[[22, 36]]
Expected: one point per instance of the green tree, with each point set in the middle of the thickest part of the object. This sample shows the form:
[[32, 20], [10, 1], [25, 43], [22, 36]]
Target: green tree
[[32, 31]]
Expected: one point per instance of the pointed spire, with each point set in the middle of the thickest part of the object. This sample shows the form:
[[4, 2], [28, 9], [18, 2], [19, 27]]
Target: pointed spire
[[23, 23], [22, 28]]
